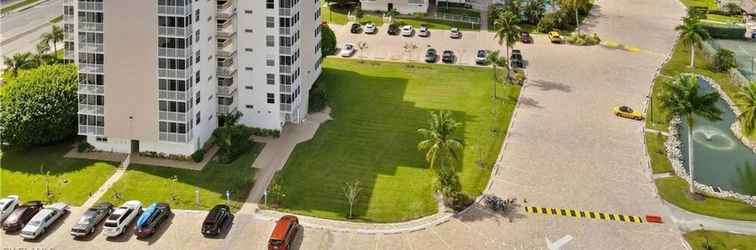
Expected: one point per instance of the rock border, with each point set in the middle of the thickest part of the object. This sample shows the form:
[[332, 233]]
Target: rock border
[[673, 146]]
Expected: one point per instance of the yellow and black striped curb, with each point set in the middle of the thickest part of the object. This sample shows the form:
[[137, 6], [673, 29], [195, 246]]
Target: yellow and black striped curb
[[584, 214]]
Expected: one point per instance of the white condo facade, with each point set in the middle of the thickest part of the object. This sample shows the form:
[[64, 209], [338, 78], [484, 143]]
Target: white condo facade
[[155, 75]]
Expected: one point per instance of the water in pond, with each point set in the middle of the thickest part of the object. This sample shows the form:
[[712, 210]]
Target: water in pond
[[721, 159]]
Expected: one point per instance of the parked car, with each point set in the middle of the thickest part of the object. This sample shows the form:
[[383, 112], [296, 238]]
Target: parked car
[[407, 30], [21, 215], [347, 50], [151, 219], [627, 112], [121, 218], [526, 38], [7, 205], [431, 55], [356, 28], [447, 56], [370, 28], [91, 218], [481, 57], [284, 232], [423, 31], [555, 37], [455, 33], [516, 60], [215, 220], [393, 29], [42, 220]]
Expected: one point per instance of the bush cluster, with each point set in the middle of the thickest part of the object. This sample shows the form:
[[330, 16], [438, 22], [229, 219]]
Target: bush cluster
[[198, 155], [85, 147], [318, 99], [153, 154], [232, 140], [584, 39], [265, 132], [724, 60]]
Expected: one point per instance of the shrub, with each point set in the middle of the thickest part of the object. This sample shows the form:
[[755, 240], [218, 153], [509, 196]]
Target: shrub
[[584, 39], [229, 119], [318, 99], [698, 12], [85, 147], [457, 201], [732, 9], [328, 41], [39, 106], [724, 31], [548, 22], [232, 140], [264, 132], [198, 155], [724, 60]]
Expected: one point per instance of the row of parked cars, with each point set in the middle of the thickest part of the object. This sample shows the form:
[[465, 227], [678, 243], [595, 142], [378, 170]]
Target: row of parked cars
[[406, 30]]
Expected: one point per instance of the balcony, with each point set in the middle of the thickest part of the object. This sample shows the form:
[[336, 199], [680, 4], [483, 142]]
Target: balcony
[[226, 90], [175, 10], [69, 2], [226, 71], [285, 50], [284, 12], [182, 32], [174, 73], [91, 68], [68, 19], [285, 30], [285, 69], [90, 6], [91, 47], [173, 95], [177, 53], [69, 55], [68, 36], [90, 27], [90, 89], [91, 109], [225, 109], [226, 32], [173, 116], [225, 11], [226, 52], [285, 107], [225, 24], [175, 137], [91, 130]]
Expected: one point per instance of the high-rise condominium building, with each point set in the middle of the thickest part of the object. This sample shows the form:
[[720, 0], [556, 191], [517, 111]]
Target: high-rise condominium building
[[156, 74]]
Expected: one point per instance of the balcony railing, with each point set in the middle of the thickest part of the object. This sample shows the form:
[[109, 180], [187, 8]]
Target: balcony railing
[[284, 12], [91, 89], [69, 2], [68, 19], [68, 36], [285, 30], [226, 53], [226, 90], [225, 109], [175, 10], [69, 55], [90, 6], [285, 107], [91, 130], [90, 27], [91, 47], [285, 88], [175, 31], [226, 32], [224, 13], [173, 116], [91, 109], [226, 71], [91, 68], [285, 50], [173, 95], [285, 69], [176, 137], [174, 73], [169, 52]]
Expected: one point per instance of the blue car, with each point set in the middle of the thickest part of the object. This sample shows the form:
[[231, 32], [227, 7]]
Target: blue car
[[151, 219]]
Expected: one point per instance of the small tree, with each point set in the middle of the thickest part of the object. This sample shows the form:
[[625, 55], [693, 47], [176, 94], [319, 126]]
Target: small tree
[[358, 13], [328, 41], [692, 33], [732, 9], [391, 14], [495, 59], [351, 191], [724, 60], [747, 101], [172, 187], [18, 62]]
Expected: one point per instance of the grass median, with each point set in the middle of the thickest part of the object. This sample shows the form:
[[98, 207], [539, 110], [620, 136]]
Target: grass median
[[719, 240], [675, 191]]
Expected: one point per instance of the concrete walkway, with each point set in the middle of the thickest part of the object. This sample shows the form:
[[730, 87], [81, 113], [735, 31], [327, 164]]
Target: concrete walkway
[[109, 183], [276, 152], [688, 221]]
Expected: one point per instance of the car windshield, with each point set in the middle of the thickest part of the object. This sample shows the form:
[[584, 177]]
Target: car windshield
[[111, 224], [86, 218], [626, 109], [276, 242], [35, 223], [348, 46], [481, 53], [114, 216]]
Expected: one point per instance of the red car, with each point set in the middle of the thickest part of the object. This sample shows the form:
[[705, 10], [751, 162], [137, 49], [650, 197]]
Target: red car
[[21, 216], [284, 233]]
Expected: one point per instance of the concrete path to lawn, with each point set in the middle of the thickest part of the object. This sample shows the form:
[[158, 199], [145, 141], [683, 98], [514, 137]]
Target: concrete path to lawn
[[109, 183]]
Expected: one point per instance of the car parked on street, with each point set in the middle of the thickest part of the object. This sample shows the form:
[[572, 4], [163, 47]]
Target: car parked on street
[[90, 219], [431, 55], [216, 220], [7, 205], [120, 219], [370, 28], [627, 112], [516, 59], [526, 38], [555, 37], [447, 56], [284, 233], [455, 33], [21, 215], [347, 50], [481, 57], [407, 30], [356, 28], [393, 29], [42, 220], [423, 31], [151, 219]]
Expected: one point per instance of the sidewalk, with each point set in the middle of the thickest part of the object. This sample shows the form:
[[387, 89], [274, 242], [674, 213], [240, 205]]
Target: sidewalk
[[109, 183], [688, 221]]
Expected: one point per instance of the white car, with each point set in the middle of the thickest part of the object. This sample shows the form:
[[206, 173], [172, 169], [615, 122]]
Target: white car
[[423, 31], [407, 30], [455, 33], [42, 220], [7, 205], [120, 218], [481, 57], [347, 50], [370, 28]]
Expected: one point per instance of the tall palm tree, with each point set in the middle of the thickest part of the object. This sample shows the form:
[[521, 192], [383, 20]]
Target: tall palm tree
[[495, 59], [683, 99], [55, 36], [747, 102], [391, 14], [692, 33], [442, 150], [41, 56], [17, 62], [574, 5], [508, 32]]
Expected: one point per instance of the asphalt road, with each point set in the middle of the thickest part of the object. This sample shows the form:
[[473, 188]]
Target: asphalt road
[[21, 30]]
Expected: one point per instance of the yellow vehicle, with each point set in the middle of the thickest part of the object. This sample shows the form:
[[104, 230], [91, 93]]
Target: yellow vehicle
[[627, 112], [555, 37]]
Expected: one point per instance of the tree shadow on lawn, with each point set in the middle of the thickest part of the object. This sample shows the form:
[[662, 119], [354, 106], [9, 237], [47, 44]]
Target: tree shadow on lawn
[[372, 138], [31, 159]]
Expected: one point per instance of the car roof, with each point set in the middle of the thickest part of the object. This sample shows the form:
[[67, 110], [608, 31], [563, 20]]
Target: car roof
[[42, 213], [282, 226], [59, 206], [132, 204]]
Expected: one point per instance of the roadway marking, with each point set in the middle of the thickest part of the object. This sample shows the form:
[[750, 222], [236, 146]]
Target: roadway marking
[[584, 214]]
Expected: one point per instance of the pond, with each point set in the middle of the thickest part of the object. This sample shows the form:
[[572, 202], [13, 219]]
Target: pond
[[721, 159]]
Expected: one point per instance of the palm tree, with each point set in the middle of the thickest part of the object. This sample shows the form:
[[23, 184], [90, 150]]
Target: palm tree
[[692, 34], [42, 49], [393, 12], [683, 99], [508, 32], [54, 36], [574, 5], [17, 62], [747, 102], [495, 59], [442, 150]]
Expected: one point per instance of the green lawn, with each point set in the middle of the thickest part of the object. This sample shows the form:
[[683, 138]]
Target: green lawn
[[153, 184], [658, 154], [71, 180], [711, 4], [335, 16], [377, 109], [724, 19], [435, 24], [675, 190], [24, 3], [720, 240]]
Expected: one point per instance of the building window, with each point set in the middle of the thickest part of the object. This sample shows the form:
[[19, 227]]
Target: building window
[[271, 79], [270, 22], [198, 118], [269, 4], [271, 98], [249, 106], [270, 62], [270, 41], [198, 97]]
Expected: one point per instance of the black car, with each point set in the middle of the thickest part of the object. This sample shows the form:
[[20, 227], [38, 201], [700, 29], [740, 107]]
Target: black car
[[447, 56], [91, 218], [215, 220], [393, 29], [516, 58], [431, 55], [526, 38], [151, 219], [21, 215], [356, 28]]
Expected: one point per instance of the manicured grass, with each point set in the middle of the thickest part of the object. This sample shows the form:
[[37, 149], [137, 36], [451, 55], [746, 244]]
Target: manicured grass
[[459, 11], [720, 240], [153, 183], [377, 109], [675, 191], [435, 24], [17, 5], [332, 16], [71, 180], [711, 4], [657, 153], [724, 19]]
